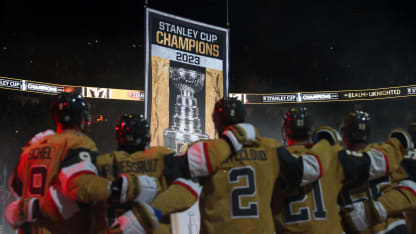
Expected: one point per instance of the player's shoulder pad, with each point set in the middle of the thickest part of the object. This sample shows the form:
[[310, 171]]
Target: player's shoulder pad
[[75, 156], [105, 164], [41, 135], [392, 149], [328, 133], [297, 149], [322, 144], [79, 140], [118, 155], [158, 151], [325, 146], [403, 136], [374, 145], [36, 141], [356, 166], [390, 144], [107, 158], [269, 142]]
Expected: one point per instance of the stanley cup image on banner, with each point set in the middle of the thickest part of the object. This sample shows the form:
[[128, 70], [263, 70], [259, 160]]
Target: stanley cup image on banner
[[186, 72], [187, 87]]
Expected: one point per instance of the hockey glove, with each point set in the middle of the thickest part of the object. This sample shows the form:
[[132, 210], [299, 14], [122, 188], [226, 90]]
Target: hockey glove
[[359, 216], [239, 135], [176, 166], [142, 218], [56, 206], [328, 133], [127, 224], [22, 211], [130, 187]]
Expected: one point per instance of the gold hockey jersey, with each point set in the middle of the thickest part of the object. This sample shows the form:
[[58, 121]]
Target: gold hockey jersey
[[402, 197], [313, 208], [38, 170], [410, 164], [236, 195], [179, 196], [242, 185], [374, 188]]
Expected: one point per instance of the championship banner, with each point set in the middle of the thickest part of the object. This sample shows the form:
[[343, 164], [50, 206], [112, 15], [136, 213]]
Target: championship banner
[[186, 73]]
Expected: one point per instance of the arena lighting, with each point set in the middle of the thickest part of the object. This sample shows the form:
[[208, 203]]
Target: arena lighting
[[247, 98]]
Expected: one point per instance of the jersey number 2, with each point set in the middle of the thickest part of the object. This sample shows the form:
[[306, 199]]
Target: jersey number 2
[[37, 176], [303, 215], [249, 190]]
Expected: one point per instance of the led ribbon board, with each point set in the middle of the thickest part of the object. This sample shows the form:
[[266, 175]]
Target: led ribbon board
[[53, 89], [326, 96], [246, 98]]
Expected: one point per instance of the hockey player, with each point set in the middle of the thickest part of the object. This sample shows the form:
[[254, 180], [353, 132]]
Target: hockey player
[[133, 136], [237, 192], [361, 215], [305, 209], [57, 180], [242, 184], [392, 202], [313, 208], [135, 156], [355, 130]]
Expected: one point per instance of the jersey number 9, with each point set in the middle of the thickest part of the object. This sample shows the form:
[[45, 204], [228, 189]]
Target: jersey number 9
[[37, 178]]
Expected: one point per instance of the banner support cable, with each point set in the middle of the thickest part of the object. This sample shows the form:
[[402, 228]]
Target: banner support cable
[[228, 18]]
